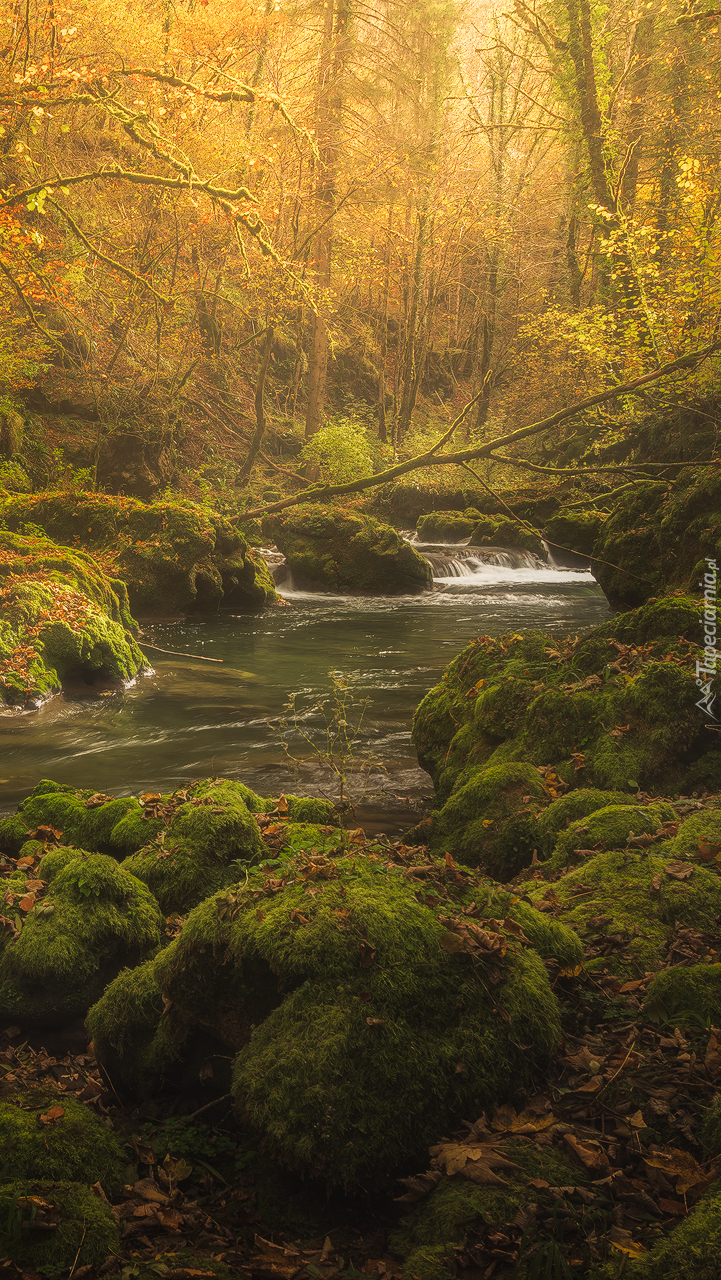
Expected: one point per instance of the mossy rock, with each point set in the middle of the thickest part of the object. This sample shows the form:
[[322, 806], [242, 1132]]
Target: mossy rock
[[446, 526], [75, 1145], [698, 834], [691, 1251], [616, 710], [329, 549], [608, 828], [503, 531], [175, 557], [573, 806], [480, 823], [85, 1234], [575, 531], [688, 995], [425, 1236], [618, 887], [659, 535], [65, 624], [348, 1016], [192, 857], [90, 920]]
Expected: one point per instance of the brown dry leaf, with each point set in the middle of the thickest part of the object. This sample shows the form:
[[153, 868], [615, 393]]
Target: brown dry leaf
[[149, 796], [24, 862], [376, 1022], [672, 1206], [591, 1154], [144, 1211], [419, 1187], [624, 1242], [507, 1121], [52, 1116], [655, 885], [475, 1161], [149, 1190], [570, 971], [679, 870], [27, 903], [677, 1164], [708, 851], [170, 1218], [282, 805]]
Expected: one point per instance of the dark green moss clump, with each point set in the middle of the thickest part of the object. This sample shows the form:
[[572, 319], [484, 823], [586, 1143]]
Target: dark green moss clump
[[686, 995], [64, 623], [89, 920], [84, 1234], [74, 1145], [349, 1004], [190, 859], [331, 550]]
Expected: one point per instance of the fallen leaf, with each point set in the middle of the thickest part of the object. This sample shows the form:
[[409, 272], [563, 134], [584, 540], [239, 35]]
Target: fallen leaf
[[474, 1160], [623, 1241], [677, 1164], [53, 1115], [591, 1154], [419, 1187], [679, 870]]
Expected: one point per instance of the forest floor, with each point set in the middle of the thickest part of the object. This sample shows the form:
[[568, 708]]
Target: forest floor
[[624, 1095]]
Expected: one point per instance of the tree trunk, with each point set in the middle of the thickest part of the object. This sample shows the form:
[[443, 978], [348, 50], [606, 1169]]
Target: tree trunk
[[329, 106], [247, 466]]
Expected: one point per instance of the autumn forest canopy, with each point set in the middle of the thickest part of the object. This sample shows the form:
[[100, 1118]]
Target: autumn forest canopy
[[220, 218]]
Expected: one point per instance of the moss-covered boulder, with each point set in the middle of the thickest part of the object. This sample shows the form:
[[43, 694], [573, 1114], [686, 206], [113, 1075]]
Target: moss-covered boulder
[[626, 904], [490, 819], [46, 1135], [576, 531], [350, 998], [194, 856], [431, 1230], [446, 526], [504, 531], [328, 549], [51, 1227], [614, 711], [691, 1251], [659, 536], [610, 827], [63, 623], [175, 557], [686, 994], [71, 921]]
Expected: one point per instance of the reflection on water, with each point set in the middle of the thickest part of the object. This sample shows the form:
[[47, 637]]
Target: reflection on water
[[190, 719]]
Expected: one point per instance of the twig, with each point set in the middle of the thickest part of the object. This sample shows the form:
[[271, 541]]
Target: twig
[[77, 1255], [208, 1105], [176, 653]]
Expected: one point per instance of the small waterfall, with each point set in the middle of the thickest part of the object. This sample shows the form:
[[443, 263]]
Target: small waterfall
[[454, 562]]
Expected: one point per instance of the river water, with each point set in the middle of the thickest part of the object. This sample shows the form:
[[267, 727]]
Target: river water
[[190, 719]]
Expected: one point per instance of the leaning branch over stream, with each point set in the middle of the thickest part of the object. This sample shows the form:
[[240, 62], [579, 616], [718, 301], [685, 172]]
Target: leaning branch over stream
[[432, 458]]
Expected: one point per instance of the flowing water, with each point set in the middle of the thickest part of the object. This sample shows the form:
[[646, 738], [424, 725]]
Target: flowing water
[[190, 719]]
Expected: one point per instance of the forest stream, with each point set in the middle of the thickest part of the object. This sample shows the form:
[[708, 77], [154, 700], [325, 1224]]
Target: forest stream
[[191, 719]]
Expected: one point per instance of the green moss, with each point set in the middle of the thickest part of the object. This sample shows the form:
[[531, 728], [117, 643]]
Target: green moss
[[505, 532], [617, 886], [63, 621], [609, 828], [570, 808], [191, 858], [698, 831], [175, 553], [130, 1034], [686, 994], [575, 530], [92, 920], [426, 1235], [332, 550], [709, 1131], [349, 1016], [479, 823], [308, 809], [86, 1232], [75, 1146], [445, 526], [691, 1251]]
